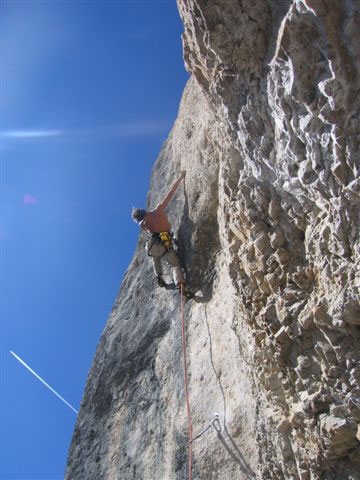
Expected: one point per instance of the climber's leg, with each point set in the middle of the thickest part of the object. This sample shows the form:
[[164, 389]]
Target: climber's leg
[[178, 276], [157, 266], [173, 260]]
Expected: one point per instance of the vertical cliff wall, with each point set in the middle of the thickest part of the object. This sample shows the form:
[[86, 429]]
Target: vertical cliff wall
[[268, 226]]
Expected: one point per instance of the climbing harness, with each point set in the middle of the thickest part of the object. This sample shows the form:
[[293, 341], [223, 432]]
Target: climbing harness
[[165, 238], [188, 409]]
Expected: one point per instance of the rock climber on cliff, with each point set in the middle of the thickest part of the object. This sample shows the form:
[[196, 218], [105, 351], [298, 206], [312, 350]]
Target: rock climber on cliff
[[160, 243]]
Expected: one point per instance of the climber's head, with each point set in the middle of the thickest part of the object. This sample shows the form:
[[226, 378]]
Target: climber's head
[[138, 214]]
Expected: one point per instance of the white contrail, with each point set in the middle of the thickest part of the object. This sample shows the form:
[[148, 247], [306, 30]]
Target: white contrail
[[43, 381]]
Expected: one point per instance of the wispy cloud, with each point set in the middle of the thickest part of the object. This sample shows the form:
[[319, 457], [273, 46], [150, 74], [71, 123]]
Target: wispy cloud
[[29, 134]]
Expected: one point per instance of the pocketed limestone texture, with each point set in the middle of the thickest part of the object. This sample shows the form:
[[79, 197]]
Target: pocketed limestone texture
[[268, 227]]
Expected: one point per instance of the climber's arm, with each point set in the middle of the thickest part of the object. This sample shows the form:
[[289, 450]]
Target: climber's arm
[[169, 196], [144, 226]]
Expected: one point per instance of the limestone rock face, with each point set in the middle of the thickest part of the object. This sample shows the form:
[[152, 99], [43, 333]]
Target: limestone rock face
[[268, 229]]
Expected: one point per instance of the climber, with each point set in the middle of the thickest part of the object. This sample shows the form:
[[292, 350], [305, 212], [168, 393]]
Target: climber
[[160, 244]]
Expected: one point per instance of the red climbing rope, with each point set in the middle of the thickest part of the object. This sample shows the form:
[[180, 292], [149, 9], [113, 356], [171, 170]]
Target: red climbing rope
[[186, 379]]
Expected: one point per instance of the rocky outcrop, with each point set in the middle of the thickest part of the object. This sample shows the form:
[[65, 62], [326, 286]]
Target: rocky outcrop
[[268, 226]]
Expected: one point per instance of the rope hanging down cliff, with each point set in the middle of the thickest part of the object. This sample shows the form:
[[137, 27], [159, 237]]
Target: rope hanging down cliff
[[186, 385]]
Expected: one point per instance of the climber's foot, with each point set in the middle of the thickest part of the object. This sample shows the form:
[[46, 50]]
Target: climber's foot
[[185, 291], [161, 282]]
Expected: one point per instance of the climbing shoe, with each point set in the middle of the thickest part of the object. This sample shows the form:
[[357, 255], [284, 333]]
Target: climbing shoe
[[188, 294], [185, 291], [161, 282]]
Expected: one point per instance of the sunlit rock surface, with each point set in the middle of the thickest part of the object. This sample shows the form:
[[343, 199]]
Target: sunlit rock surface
[[268, 227]]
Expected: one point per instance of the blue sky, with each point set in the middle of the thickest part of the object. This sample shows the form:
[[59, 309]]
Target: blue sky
[[89, 92]]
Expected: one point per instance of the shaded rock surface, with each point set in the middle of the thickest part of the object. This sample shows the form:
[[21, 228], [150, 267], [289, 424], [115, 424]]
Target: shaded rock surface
[[268, 227]]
